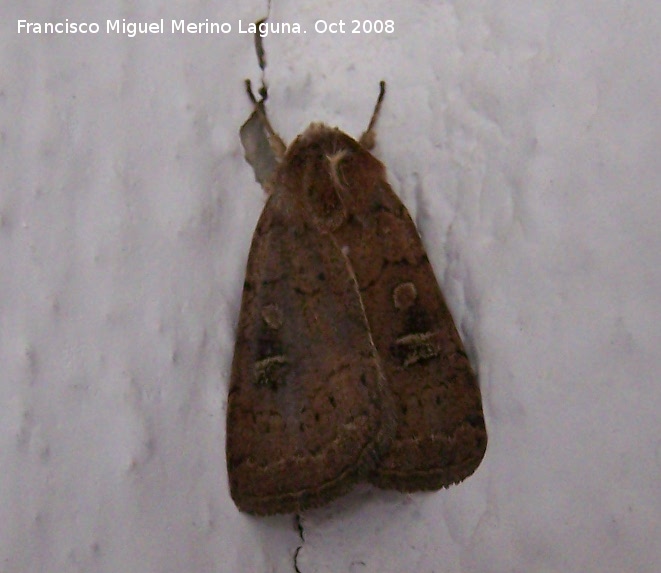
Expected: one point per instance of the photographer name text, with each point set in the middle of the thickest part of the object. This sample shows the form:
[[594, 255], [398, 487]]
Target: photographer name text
[[132, 29]]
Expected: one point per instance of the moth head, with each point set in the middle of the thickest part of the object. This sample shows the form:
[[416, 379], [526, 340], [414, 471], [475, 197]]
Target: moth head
[[312, 172], [327, 171]]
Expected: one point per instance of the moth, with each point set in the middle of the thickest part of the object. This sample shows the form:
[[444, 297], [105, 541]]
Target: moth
[[347, 366]]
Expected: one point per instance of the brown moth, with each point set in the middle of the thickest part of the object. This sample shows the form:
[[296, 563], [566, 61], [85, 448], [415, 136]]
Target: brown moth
[[348, 366]]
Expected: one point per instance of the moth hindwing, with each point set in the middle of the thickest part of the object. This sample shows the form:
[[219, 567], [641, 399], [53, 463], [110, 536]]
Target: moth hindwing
[[347, 365]]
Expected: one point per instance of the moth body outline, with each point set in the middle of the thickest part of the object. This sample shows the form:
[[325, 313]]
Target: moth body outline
[[337, 253]]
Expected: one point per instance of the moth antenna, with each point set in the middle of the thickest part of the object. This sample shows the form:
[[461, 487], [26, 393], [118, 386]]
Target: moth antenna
[[368, 138], [275, 141]]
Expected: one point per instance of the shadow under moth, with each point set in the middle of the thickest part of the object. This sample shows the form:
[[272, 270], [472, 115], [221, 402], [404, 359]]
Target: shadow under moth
[[347, 366]]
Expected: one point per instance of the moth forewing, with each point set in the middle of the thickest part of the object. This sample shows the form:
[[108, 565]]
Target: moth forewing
[[441, 436], [308, 410]]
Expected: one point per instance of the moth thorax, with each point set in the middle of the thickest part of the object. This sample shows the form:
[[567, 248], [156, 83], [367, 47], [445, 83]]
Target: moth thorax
[[334, 160], [323, 191]]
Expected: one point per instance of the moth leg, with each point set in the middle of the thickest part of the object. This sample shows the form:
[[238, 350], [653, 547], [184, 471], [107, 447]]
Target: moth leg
[[368, 138], [275, 141]]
